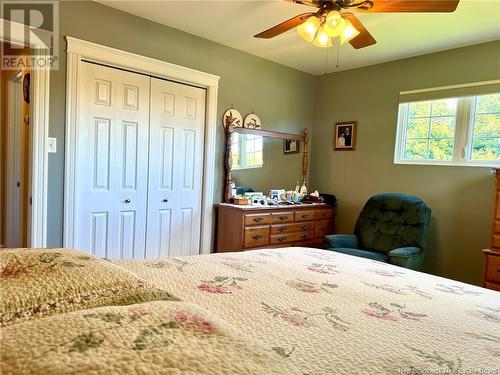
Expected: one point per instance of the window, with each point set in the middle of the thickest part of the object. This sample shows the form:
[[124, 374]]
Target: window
[[246, 151], [450, 131]]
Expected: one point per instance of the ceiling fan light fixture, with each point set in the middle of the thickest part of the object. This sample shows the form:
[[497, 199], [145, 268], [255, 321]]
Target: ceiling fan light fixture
[[309, 28], [334, 23], [349, 32], [322, 39]]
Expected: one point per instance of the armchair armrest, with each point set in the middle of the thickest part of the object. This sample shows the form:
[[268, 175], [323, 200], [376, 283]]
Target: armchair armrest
[[408, 257], [341, 240]]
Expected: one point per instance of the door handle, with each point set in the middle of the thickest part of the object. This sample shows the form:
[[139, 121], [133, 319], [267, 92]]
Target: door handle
[[126, 201], [165, 200]]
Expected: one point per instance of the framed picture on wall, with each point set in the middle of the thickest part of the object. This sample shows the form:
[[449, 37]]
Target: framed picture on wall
[[290, 146], [344, 136]]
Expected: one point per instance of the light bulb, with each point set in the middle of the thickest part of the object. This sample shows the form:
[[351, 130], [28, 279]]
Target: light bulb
[[348, 33], [308, 29], [334, 23], [322, 39]]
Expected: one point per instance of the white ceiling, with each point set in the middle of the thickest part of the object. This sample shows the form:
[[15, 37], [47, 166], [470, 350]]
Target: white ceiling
[[399, 35]]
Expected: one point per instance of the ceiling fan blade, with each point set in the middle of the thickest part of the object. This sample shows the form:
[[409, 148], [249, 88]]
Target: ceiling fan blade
[[381, 6], [284, 26], [364, 39]]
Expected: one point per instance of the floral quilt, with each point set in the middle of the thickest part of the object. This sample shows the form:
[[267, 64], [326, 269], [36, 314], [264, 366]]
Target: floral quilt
[[150, 338], [330, 313]]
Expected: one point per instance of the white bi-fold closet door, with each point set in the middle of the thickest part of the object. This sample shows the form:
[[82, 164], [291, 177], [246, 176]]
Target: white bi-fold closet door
[[138, 165]]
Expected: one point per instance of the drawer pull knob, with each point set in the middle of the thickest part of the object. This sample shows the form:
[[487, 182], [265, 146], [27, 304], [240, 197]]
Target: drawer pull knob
[[304, 236], [258, 219], [306, 226], [283, 229], [283, 218], [305, 216], [324, 214], [127, 201], [281, 239], [257, 237]]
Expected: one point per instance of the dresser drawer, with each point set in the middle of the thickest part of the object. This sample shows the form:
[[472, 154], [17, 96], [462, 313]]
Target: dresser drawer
[[492, 271], [324, 214], [291, 237], [289, 228], [323, 228], [257, 219], [282, 217], [304, 215], [256, 236]]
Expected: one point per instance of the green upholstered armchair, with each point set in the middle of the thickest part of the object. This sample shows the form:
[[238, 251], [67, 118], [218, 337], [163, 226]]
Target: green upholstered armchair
[[391, 228]]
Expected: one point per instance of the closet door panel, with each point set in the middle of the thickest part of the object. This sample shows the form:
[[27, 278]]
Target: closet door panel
[[111, 162], [175, 169]]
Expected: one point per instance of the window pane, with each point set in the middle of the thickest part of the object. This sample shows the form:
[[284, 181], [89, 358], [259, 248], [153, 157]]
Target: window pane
[[250, 159], [443, 127], [236, 161], [258, 143], [418, 128], [445, 107], [250, 146], [488, 103], [487, 126], [441, 149], [416, 150], [419, 109], [258, 159], [486, 149]]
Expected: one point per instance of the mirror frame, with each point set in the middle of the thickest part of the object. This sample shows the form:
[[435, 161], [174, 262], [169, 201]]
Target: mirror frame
[[229, 130]]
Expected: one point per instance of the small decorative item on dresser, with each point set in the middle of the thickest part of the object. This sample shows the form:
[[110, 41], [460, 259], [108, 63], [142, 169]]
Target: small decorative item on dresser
[[290, 146], [491, 273], [344, 137]]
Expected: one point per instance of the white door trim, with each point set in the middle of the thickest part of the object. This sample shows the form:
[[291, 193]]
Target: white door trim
[[39, 123], [78, 50]]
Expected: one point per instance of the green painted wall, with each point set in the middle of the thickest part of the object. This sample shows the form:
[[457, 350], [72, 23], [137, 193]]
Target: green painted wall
[[460, 197], [282, 97]]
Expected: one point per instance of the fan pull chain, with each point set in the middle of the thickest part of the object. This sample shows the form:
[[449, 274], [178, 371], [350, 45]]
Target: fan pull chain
[[326, 61], [338, 54]]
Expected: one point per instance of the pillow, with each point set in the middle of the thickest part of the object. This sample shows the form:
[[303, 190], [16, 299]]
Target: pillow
[[148, 338], [41, 282]]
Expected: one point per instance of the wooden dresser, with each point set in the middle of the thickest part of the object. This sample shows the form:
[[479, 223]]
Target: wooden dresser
[[491, 274], [250, 227]]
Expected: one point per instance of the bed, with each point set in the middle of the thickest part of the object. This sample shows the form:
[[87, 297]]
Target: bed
[[290, 310], [330, 313]]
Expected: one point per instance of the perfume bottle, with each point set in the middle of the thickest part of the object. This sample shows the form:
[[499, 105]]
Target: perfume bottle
[[297, 187], [303, 189]]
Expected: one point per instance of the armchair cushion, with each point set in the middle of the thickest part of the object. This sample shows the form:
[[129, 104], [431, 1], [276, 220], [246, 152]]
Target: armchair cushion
[[408, 257], [361, 253], [341, 240], [394, 220]]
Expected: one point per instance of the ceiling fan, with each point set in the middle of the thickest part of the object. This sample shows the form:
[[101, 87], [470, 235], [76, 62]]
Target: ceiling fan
[[331, 19]]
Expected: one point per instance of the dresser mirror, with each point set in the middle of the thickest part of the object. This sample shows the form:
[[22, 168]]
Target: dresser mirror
[[263, 160]]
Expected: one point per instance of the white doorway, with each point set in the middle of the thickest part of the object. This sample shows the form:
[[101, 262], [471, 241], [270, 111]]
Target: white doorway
[[16, 159], [80, 52], [139, 165]]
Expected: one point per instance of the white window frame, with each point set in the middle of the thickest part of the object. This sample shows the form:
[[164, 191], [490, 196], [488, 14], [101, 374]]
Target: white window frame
[[462, 148], [243, 155]]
